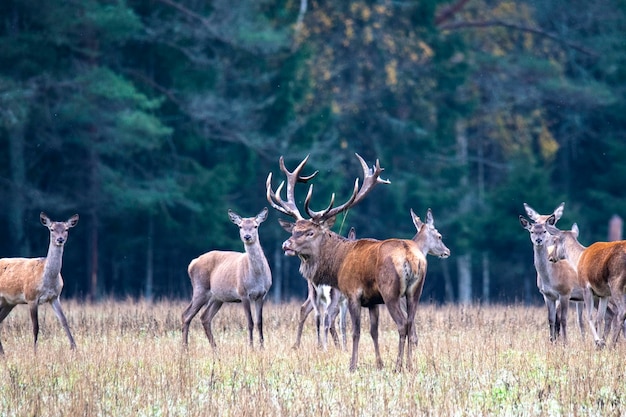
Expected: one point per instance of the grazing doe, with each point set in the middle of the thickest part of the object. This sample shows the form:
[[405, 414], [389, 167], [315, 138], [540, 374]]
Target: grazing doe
[[367, 271], [557, 282], [601, 271], [219, 277], [35, 281]]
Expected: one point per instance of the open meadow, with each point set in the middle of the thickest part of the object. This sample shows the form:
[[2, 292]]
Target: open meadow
[[473, 360]]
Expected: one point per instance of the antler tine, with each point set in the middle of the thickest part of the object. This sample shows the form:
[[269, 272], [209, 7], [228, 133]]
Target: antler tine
[[288, 207], [317, 214], [371, 177], [273, 197]]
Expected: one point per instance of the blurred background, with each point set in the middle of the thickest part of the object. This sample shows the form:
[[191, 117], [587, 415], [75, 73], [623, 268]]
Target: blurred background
[[151, 118]]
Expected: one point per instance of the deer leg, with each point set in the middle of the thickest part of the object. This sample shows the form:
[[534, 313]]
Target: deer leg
[[197, 301], [374, 315], [620, 316], [4, 312], [355, 314], [551, 305], [343, 309], [305, 310], [394, 306], [588, 297], [329, 321], [207, 316], [562, 309], [259, 319], [246, 308], [34, 317], [579, 315], [56, 306]]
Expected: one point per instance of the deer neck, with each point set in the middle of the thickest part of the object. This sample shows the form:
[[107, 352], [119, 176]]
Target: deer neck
[[323, 267], [54, 259], [421, 240], [573, 252], [256, 259], [542, 264]]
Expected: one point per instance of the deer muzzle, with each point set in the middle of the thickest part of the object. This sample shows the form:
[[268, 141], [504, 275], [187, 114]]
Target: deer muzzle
[[287, 248]]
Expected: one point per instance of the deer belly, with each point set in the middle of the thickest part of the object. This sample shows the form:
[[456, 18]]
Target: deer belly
[[12, 299]]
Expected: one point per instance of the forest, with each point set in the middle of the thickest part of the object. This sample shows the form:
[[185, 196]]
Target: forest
[[151, 118]]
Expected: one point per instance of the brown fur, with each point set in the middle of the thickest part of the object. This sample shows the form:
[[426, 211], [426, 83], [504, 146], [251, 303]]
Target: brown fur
[[368, 272], [601, 271], [557, 281], [35, 281]]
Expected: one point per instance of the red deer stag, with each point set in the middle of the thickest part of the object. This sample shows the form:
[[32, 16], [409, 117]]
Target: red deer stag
[[557, 282], [601, 271], [368, 272], [35, 281], [327, 303], [219, 277]]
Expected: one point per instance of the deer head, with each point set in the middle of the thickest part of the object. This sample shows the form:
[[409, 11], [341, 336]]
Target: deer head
[[306, 233], [428, 237], [248, 226], [58, 230]]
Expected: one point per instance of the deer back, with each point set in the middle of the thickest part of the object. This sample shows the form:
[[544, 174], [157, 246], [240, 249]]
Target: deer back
[[20, 279], [604, 263], [377, 270]]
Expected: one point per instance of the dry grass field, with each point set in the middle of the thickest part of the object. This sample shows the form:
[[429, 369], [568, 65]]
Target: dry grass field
[[471, 361]]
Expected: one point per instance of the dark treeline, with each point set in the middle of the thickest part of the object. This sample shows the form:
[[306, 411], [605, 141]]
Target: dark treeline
[[151, 118]]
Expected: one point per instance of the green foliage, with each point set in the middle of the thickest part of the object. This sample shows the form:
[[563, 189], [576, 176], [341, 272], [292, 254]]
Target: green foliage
[[151, 119]]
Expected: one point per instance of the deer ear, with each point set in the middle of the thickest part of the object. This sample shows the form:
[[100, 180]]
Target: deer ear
[[45, 220], [352, 234], [429, 217], [417, 222], [551, 221], [531, 212], [329, 223], [262, 216], [575, 230], [524, 222], [558, 212], [234, 217], [72, 221], [288, 226]]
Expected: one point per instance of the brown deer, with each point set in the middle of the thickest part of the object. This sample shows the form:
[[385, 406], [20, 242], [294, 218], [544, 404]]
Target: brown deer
[[327, 303], [36, 281], [219, 277], [601, 271], [557, 282], [368, 272]]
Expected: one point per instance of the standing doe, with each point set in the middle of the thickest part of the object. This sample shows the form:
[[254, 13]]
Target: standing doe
[[219, 277], [601, 271], [367, 271], [557, 282], [36, 281]]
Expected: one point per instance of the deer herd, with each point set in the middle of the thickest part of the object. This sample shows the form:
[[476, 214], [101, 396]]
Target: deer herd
[[346, 274]]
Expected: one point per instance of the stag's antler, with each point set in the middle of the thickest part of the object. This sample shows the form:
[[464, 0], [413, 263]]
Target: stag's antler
[[371, 177], [287, 207]]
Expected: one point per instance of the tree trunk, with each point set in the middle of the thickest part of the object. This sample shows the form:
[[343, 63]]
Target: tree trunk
[[15, 202], [148, 294], [486, 278], [464, 266], [277, 275]]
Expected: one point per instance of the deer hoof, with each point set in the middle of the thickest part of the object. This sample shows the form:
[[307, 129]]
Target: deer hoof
[[600, 343]]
